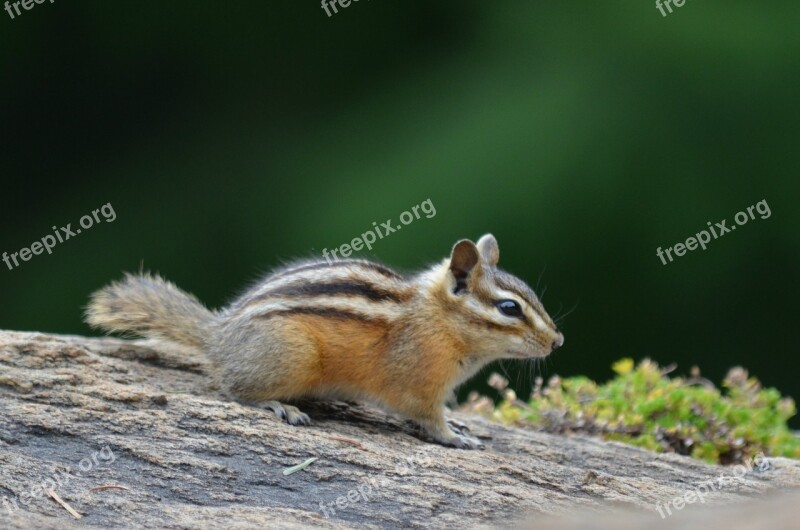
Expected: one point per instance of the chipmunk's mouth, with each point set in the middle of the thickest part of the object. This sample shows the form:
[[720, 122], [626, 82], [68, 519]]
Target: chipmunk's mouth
[[535, 353], [538, 355]]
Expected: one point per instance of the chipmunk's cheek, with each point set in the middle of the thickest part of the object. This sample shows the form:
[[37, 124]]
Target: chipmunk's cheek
[[516, 344]]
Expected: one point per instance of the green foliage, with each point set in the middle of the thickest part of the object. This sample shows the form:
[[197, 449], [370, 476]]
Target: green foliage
[[643, 406]]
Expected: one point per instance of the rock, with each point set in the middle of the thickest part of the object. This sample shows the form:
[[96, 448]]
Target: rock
[[79, 414]]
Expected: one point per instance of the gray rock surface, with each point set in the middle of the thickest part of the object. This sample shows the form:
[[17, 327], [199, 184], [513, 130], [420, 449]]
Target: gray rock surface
[[80, 413]]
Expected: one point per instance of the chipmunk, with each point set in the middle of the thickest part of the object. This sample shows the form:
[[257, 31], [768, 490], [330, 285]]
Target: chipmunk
[[349, 329]]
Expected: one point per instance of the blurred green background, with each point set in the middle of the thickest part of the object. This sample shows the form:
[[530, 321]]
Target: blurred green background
[[230, 137]]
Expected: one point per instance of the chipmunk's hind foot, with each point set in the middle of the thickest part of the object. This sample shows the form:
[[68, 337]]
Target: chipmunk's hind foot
[[450, 433], [290, 414]]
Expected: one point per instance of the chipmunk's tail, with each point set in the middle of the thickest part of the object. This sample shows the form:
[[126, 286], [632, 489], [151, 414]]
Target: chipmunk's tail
[[149, 306]]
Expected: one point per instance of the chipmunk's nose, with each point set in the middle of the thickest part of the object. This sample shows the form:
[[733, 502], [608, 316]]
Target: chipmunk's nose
[[558, 342]]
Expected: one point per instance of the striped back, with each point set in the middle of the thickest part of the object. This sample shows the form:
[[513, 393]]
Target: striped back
[[344, 289]]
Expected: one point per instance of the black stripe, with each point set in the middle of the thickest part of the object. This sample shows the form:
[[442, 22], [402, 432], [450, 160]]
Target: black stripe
[[326, 312], [342, 287], [479, 321]]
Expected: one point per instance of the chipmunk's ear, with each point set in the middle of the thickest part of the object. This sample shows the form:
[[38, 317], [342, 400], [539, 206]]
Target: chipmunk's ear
[[490, 252], [464, 260]]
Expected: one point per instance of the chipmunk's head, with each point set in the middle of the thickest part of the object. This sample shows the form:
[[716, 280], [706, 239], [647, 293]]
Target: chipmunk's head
[[497, 314]]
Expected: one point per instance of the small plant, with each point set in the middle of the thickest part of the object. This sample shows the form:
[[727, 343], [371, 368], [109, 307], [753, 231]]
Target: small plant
[[643, 406]]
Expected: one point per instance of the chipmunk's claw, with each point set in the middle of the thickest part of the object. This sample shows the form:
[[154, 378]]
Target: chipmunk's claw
[[459, 441], [288, 413], [458, 426]]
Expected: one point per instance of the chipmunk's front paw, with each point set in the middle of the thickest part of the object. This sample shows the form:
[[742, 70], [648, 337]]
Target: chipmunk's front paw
[[292, 415], [460, 441]]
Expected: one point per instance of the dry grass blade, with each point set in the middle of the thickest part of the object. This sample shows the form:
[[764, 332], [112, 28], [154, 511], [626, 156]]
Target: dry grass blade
[[348, 440], [298, 467], [66, 506]]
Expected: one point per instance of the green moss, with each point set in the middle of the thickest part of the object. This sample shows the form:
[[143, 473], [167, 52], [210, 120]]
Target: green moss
[[645, 407]]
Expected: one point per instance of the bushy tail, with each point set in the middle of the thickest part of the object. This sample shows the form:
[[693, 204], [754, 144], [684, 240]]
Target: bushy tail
[[152, 307]]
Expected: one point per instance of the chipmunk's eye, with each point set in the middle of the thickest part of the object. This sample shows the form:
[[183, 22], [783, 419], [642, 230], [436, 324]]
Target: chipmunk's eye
[[509, 308]]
